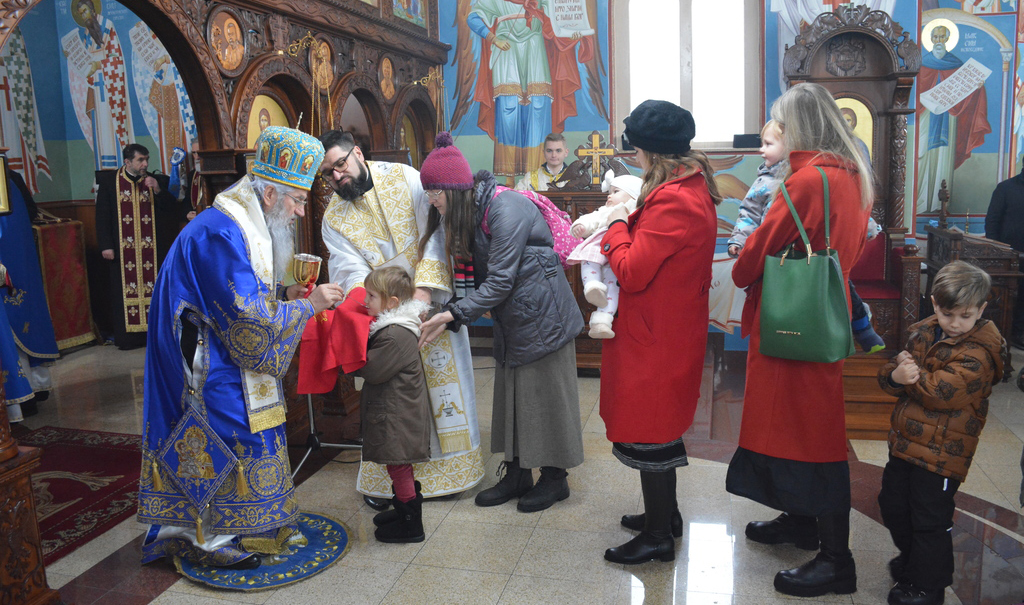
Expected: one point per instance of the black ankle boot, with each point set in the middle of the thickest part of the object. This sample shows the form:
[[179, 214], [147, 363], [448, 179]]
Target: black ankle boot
[[516, 482], [552, 487], [408, 527], [785, 529], [392, 515], [655, 541], [833, 570]]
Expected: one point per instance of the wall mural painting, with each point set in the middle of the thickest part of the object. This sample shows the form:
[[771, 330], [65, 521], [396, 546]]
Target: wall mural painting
[[117, 72], [265, 112], [976, 7], [962, 115], [413, 11], [20, 128], [523, 70], [168, 114], [859, 117], [96, 77]]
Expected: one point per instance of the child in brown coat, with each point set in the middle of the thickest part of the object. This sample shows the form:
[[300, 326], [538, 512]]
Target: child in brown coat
[[943, 380], [394, 404]]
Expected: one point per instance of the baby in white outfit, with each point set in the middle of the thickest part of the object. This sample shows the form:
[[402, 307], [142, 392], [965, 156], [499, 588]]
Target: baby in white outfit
[[599, 283]]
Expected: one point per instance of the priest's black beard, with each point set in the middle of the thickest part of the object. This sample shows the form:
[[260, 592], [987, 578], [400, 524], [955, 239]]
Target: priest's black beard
[[282, 237], [356, 187]]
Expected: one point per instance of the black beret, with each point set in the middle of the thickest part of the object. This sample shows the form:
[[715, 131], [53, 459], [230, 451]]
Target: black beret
[[660, 127]]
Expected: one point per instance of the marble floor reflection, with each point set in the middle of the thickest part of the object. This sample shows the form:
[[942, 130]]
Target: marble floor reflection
[[499, 555]]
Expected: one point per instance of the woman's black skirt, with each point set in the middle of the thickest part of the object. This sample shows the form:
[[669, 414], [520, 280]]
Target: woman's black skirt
[[652, 457], [799, 488]]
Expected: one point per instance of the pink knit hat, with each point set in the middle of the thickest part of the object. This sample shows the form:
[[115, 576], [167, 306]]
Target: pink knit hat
[[445, 166]]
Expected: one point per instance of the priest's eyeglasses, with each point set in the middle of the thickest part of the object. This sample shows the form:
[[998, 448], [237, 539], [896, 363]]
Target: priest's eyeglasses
[[338, 167]]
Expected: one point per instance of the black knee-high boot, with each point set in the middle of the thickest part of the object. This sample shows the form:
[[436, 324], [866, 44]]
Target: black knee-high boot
[[833, 570], [637, 522], [655, 541]]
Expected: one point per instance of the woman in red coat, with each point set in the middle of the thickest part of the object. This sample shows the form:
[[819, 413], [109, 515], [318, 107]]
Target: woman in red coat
[[792, 451], [651, 370]]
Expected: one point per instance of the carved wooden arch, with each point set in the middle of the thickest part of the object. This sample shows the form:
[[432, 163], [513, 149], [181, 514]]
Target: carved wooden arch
[[284, 71], [186, 46], [416, 98], [367, 92], [904, 54]]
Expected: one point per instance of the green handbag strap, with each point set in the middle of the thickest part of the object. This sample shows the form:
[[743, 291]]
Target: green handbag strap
[[796, 217]]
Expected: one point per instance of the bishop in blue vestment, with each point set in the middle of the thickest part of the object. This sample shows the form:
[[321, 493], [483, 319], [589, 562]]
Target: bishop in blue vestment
[[216, 484]]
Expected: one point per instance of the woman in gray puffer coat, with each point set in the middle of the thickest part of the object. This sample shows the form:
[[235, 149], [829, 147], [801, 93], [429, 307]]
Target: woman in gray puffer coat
[[501, 251]]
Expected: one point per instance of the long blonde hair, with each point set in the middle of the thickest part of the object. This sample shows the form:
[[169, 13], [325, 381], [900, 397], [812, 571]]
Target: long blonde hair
[[664, 167], [811, 121]]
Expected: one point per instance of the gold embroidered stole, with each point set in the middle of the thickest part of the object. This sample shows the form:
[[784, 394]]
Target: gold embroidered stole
[[137, 234], [446, 400], [263, 401], [384, 213]]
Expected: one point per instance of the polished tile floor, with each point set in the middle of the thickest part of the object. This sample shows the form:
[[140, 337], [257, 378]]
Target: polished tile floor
[[498, 555]]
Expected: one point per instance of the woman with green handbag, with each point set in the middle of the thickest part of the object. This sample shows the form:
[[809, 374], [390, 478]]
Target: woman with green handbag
[[792, 448]]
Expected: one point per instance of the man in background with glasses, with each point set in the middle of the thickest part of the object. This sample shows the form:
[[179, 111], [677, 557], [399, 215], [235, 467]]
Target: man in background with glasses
[[375, 219]]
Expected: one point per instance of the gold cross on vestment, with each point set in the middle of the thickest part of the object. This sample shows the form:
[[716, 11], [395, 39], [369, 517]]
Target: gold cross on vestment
[[595, 152]]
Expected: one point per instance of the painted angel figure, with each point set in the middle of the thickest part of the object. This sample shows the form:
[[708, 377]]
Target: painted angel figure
[[521, 63]]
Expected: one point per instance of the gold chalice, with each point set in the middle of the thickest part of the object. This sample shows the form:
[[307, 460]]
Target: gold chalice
[[306, 268]]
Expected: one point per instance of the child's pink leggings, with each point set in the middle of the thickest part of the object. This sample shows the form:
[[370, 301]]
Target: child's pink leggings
[[401, 477]]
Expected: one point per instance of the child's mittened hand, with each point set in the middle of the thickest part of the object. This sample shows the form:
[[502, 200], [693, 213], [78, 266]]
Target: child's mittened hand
[[578, 231], [734, 250], [906, 373]]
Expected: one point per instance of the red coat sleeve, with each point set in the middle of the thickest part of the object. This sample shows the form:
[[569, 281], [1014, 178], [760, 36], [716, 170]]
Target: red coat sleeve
[[659, 232]]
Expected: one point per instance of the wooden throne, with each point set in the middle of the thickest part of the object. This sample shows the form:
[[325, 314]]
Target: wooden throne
[[868, 62]]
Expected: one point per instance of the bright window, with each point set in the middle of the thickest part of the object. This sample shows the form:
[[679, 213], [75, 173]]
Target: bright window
[[701, 54]]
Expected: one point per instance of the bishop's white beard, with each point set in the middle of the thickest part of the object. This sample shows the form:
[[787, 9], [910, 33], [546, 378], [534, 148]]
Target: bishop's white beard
[[281, 226]]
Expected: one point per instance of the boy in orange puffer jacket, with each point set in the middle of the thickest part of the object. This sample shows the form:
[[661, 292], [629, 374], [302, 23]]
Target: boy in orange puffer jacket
[[943, 380]]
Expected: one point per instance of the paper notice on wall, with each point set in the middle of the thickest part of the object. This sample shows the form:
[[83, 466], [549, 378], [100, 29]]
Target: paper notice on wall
[[145, 45], [79, 58], [569, 18], [969, 77]]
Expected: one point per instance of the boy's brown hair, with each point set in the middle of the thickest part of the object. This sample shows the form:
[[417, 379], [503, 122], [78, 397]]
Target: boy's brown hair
[[390, 281], [961, 284]]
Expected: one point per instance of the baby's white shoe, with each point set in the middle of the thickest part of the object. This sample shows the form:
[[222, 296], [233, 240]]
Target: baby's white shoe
[[596, 293], [601, 325]]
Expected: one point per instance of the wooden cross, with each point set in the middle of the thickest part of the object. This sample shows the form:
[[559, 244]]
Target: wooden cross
[[595, 152], [943, 205]]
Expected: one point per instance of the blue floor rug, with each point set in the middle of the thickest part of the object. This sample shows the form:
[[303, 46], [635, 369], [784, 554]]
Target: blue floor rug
[[328, 542]]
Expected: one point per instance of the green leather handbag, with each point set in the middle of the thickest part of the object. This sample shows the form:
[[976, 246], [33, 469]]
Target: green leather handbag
[[804, 314]]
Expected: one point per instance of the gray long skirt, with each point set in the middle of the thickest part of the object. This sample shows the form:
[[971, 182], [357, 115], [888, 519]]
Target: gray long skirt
[[536, 415]]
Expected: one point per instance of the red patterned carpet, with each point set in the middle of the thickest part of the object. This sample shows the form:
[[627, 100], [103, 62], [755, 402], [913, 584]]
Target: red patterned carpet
[[87, 483]]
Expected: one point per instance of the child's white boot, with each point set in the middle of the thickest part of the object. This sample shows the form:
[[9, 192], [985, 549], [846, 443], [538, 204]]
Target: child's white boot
[[601, 325], [596, 293]]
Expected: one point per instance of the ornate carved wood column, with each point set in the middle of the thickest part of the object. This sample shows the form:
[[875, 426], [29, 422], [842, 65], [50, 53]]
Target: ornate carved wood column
[[22, 575]]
